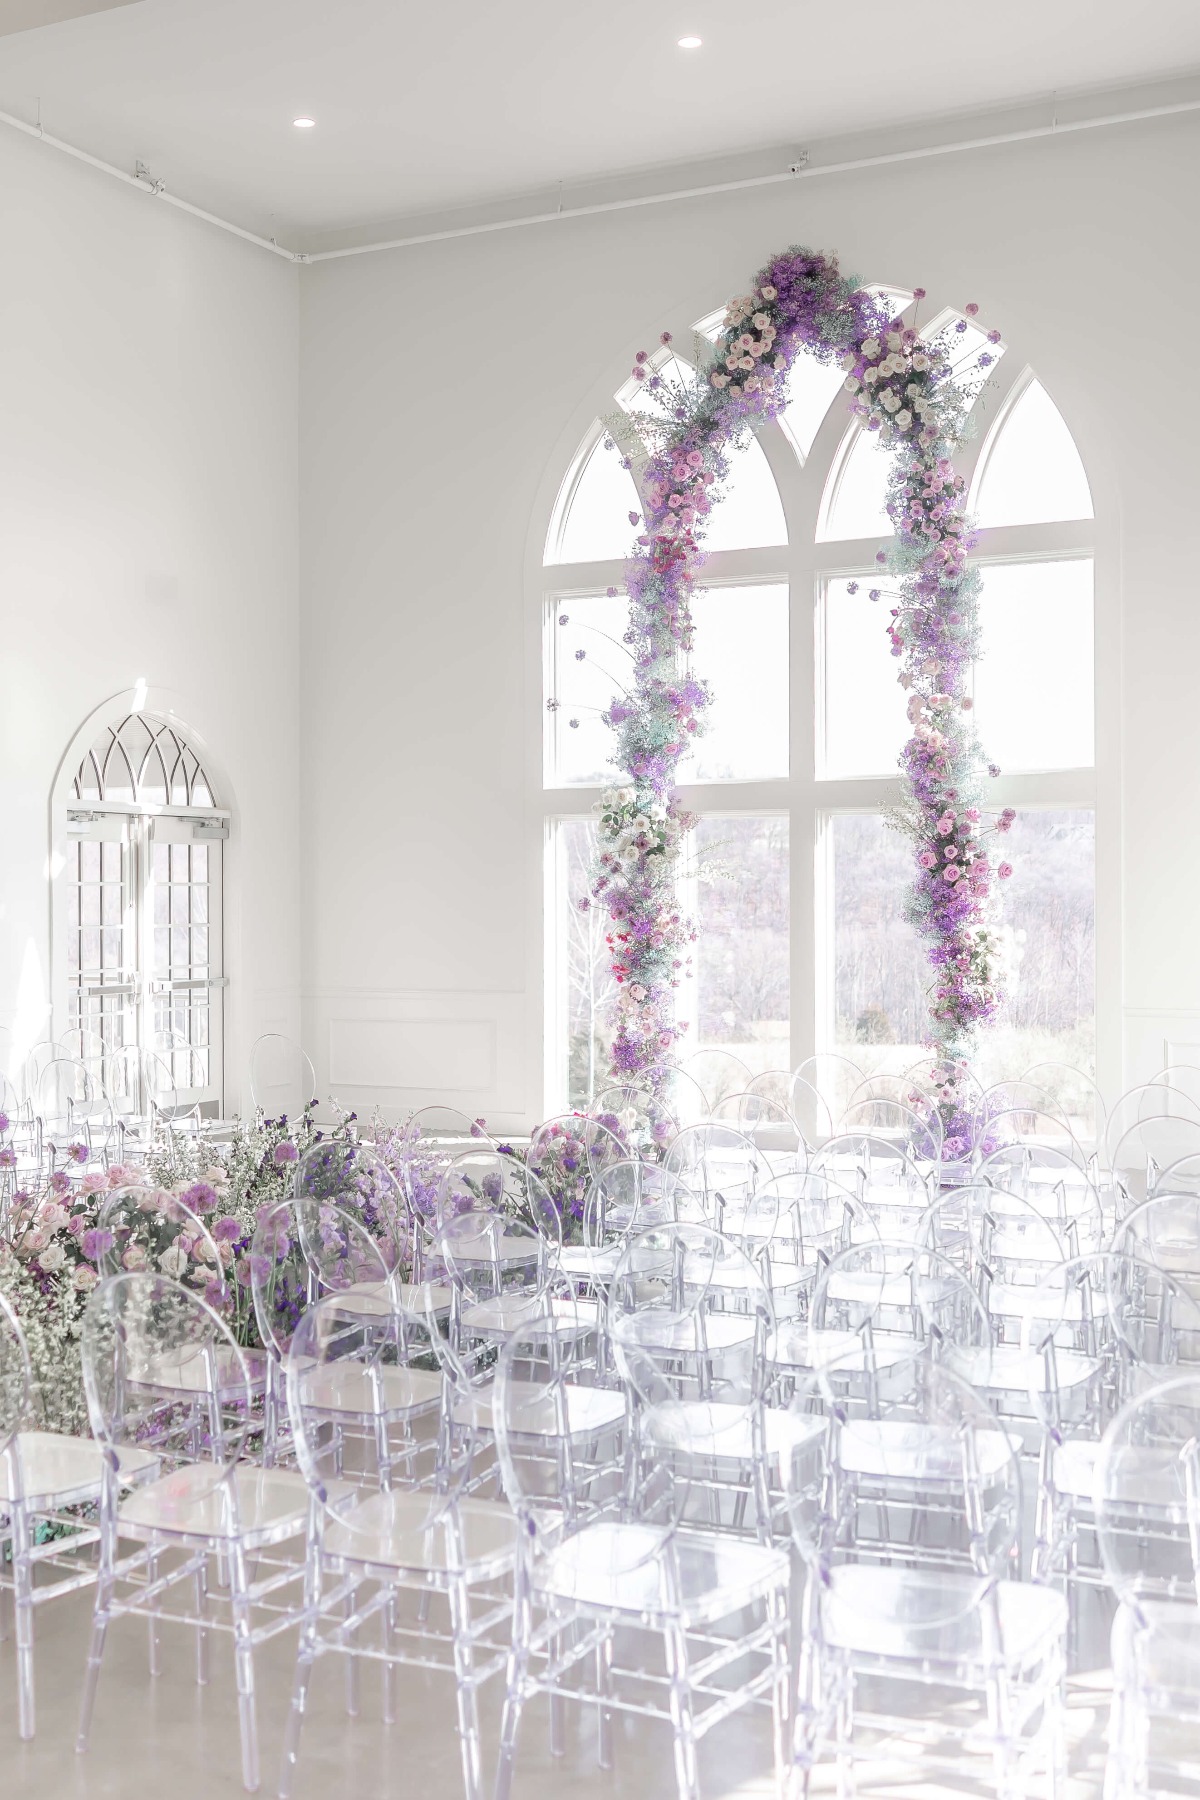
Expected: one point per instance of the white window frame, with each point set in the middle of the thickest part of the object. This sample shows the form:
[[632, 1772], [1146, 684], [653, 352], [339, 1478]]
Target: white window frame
[[809, 801]]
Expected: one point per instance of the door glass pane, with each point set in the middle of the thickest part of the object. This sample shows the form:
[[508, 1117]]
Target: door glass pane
[[740, 1000]]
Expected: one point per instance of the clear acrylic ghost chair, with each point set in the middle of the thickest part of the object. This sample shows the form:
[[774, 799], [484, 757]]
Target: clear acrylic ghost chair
[[1165, 1230], [1146, 1100], [1023, 1098], [690, 1318], [915, 1639], [622, 1603], [1150, 1145], [83, 1045], [448, 1123], [210, 1505], [76, 1120], [773, 1084], [121, 1080], [1101, 1328], [1147, 1502], [1071, 1196], [479, 1180], [809, 1107], [1181, 1177], [149, 1230], [641, 1119], [567, 1153], [282, 1079], [1075, 1095], [834, 1076], [680, 1092], [402, 1566], [893, 1187], [721, 1166], [769, 1124], [879, 1302], [355, 1177], [718, 1073], [1003, 1244], [624, 1198], [49, 1484], [37, 1060], [307, 1249], [501, 1271], [917, 1132]]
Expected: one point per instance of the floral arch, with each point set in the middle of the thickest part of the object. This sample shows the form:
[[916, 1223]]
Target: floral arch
[[684, 440]]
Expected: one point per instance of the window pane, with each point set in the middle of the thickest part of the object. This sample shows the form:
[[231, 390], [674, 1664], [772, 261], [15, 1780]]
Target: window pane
[[742, 652], [584, 685], [855, 495], [879, 968], [1034, 684], [750, 511], [1032, 472], [1050, 932], [740, 999], [596, 524], [584, 974], [865, 720], [812, 389]]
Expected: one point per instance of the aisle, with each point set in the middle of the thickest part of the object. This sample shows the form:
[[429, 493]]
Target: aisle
[[176, 1741]]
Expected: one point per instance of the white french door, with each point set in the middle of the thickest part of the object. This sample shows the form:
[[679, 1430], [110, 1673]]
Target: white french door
[[144, 953]]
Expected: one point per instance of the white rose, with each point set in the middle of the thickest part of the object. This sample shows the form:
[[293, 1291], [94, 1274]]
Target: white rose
[[871, 347], [52, 1258], [851, 384], [894, 340], [920, 360], [84, 1278], [904, 419], [173, 1261]]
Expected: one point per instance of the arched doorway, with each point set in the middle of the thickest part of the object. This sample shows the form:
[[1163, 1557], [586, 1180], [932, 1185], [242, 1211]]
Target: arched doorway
[[142, 914]]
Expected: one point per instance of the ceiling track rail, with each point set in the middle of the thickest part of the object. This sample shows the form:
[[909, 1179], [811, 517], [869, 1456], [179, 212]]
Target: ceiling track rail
[[802, 170]]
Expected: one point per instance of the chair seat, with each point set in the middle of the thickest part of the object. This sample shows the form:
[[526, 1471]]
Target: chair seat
[[403, 1530], [373, 1299], [623, 1569], [507, 1313], [1013, 1368], [587, 1262], [194, 1504], [532, 1412], [1156, 1653], [187, 1371], [721, 1428], [684, 1333], [1143, 1476], [907, 1450], [58, 1471], [351, 1387], [929, 1616], [794, 1346]]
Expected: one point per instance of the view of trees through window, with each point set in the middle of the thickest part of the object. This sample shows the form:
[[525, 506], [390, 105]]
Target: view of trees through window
[[799, 767]]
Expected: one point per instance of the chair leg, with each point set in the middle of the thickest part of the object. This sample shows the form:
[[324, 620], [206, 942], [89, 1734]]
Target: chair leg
[[100, 1616], [201, 1582], [777, 1612], [306, 1654], [21, 1547], [687, 1775], [514, 1697], [464, 1674], [604, 1685], [152, 1621], [243, 1648]]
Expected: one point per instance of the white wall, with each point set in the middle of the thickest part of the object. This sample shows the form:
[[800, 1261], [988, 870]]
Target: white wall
[[443, 390], [148, 477]]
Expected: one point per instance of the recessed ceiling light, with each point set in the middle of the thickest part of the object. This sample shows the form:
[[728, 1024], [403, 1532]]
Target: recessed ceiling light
[[690, 43], [304, 124]]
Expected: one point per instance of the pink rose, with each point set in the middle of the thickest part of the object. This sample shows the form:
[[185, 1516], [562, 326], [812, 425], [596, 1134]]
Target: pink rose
[[1004, 871], [951, 873]]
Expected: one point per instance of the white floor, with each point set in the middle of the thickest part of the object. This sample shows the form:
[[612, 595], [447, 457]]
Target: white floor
[[170, 1740]]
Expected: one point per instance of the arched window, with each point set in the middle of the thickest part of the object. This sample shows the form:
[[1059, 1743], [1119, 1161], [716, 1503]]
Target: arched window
[[141, 930], [798, 883]]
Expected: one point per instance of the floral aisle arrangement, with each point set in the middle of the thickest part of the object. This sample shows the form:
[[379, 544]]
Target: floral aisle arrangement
[[54, 1241], [903, 387]]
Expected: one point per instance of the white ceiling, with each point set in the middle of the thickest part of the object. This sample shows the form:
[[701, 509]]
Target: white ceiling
[[421, 108]]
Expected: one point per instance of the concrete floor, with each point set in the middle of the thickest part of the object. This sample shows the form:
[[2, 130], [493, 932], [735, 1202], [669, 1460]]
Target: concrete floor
[[170, 1740]]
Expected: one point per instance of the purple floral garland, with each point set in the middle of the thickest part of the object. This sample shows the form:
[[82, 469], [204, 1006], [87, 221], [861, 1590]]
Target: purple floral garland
[[904, 389]]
